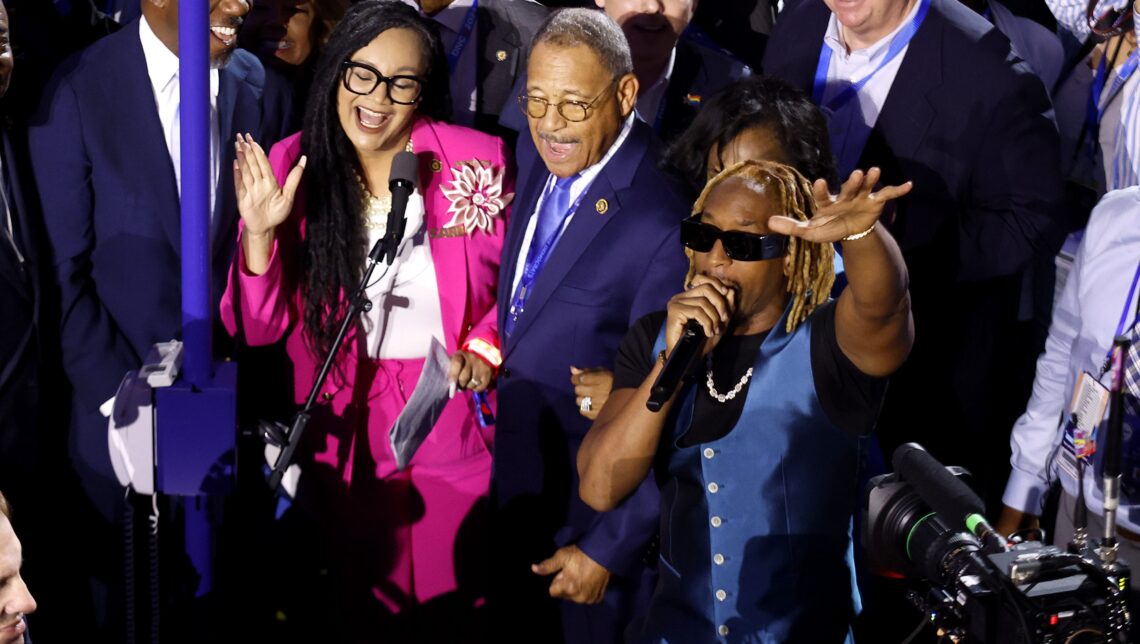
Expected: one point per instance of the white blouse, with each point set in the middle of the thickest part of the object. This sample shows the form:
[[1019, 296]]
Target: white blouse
[[405, 313]]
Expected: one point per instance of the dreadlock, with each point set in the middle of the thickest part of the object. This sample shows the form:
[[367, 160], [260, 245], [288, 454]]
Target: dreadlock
[[809, 266]]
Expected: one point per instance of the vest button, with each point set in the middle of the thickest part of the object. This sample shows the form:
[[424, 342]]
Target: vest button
[[715, 521], [718, 559], [709, 453], [722, 629], [714, 488], [505, 373], [721, 595]]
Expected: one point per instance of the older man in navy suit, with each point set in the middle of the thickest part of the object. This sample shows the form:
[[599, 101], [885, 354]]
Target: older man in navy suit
[[590, 249], [105, 153]]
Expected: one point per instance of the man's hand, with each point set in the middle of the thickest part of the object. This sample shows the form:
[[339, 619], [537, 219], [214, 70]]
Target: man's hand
[[469, 371], [707, 300], [580, 579], [1013, 520], [595, 383], [855, 209]]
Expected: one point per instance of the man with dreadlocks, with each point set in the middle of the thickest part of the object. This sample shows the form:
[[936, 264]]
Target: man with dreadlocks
[[758, 456]]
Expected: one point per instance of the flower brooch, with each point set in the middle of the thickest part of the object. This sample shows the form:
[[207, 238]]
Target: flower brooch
[[476, 195]]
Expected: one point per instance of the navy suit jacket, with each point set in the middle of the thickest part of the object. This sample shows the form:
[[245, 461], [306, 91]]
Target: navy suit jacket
[[618, 259], [111, 204], [699, 70], [21, 298], [971, 125]]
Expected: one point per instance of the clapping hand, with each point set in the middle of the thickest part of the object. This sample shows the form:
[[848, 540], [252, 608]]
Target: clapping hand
[[854, 210], [262, 202]]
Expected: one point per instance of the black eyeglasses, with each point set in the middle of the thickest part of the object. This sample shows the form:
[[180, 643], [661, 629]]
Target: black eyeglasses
[[363, 79], [574, 111], [1111, 22], [739, 246]]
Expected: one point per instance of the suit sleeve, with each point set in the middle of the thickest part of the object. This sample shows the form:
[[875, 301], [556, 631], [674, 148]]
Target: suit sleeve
[[1014, 206], [263, 302], [618, 539], [95, 352]]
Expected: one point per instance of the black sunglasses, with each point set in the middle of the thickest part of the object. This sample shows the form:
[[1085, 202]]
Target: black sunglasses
[[739, 246]]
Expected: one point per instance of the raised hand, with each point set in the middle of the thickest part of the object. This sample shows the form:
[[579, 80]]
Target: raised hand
[[262, 202], [854, 210]]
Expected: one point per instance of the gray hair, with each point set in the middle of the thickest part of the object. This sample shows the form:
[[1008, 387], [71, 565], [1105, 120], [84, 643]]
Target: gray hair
[[590, 28]]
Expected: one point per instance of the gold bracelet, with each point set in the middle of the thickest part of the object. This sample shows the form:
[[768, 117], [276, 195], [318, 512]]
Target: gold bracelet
[[858, 236]]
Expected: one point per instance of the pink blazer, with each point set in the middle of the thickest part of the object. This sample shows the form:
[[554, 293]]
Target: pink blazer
[[466, 268]]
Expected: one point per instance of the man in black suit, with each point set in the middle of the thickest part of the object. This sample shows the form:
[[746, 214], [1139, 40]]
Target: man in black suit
[[954, 110], [105, 144], [485, 55], [676, 66]]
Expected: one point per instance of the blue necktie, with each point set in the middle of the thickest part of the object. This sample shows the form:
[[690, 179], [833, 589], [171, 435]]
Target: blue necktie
[[552, 214]]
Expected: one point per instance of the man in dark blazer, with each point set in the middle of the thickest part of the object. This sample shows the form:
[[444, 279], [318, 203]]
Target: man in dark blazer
[[609, 258], [110, 200], [969, 123], [677, 65], [492, 59]]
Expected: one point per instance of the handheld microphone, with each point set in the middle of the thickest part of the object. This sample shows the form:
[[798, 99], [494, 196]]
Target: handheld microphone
[[687, 350], [401, 182], [945, 493]]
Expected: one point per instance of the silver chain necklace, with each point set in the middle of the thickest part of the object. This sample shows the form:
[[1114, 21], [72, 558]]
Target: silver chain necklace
[[722, 398]]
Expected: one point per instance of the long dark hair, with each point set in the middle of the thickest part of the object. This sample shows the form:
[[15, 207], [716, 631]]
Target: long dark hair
[[758, 101], [334, 248]]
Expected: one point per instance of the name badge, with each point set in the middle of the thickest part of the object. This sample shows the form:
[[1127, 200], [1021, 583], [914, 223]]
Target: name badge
[[1090, 400]]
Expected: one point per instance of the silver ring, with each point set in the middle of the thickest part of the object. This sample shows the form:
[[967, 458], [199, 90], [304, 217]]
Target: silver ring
[[587, 404], [474, 382]]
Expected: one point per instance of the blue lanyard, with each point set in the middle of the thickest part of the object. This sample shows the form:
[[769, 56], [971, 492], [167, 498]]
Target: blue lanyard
[[465, 31], [898, 43], [1120, 326], [1096, 110], [535, 262]]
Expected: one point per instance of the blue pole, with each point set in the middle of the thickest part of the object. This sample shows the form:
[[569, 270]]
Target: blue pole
[[194, 101]]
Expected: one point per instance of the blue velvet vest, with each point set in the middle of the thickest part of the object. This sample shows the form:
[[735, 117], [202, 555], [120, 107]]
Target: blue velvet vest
[[756, 526]]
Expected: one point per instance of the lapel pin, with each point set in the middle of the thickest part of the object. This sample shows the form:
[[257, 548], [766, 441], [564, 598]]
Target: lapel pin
[[602, 206], [501, 55], [436, 166]]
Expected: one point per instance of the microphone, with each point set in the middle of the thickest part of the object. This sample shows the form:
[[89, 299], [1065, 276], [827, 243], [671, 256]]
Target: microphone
[[687, 350], [401, 182], [945, 493]]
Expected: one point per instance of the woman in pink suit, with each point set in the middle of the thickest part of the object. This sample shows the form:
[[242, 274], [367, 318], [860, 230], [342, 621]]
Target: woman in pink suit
[[393, 541]]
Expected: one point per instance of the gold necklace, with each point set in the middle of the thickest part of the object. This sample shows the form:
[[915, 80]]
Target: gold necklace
[[376, 209]]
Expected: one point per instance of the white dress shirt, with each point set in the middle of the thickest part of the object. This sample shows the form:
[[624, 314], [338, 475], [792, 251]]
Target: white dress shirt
[[1084, 321], [405, 313], [649, 101], [9, 229], [162, 67], [850, 126], [578, 188]]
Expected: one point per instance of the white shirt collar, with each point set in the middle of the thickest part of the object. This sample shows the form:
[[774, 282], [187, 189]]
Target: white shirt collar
[[663, 80], [162, 64], [833, 37], [586, 177]]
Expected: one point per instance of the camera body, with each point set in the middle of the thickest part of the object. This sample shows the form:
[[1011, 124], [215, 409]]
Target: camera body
[[1029, 593]]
